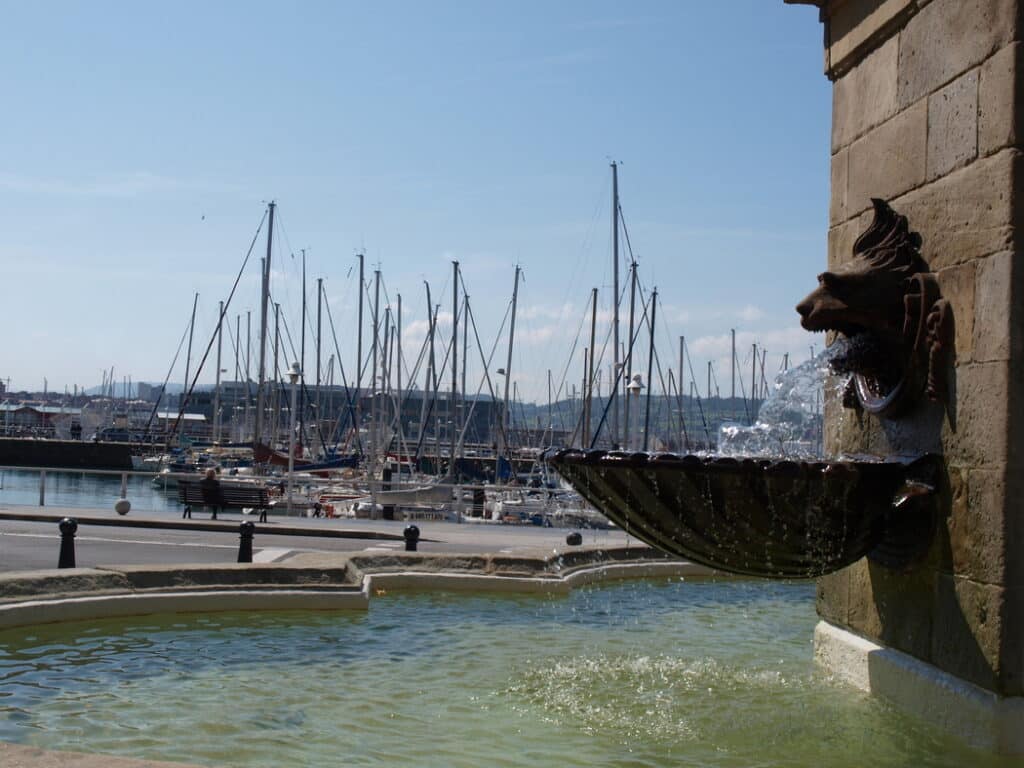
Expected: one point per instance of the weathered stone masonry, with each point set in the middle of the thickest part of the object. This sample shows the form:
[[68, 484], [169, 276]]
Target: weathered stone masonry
[[926, 113]]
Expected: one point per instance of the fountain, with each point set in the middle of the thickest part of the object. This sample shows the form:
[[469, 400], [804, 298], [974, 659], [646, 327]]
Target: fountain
[[926, 106], [769, 513], [917, 554]]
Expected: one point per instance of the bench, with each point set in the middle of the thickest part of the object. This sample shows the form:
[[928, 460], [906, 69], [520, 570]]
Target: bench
[[230, 496]]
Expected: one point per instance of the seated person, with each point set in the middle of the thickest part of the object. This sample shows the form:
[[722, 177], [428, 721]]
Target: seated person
[[210, 488]]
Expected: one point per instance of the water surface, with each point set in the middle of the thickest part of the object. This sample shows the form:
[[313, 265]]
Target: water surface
[[84, 490], [676, 673]]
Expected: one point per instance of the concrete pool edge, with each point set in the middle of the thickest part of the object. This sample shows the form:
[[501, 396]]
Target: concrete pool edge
[[310, 582], [552, 584], [978, 717]]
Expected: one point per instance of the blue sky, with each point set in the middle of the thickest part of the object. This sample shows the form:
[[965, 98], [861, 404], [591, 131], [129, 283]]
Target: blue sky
[[141, 142]]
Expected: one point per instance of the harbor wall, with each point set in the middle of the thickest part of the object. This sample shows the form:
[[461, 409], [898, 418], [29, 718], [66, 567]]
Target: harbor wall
[[64, 454]]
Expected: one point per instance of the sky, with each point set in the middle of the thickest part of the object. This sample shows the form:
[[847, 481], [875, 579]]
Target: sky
[[141, 143]]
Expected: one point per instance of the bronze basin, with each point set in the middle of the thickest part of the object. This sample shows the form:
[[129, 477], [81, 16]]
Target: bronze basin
[[761, 517]]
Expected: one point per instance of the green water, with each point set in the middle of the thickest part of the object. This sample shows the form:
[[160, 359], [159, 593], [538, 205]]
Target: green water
[[681, 673]]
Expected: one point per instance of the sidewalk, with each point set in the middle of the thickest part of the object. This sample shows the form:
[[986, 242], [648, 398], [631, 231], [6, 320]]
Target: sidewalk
[[487, 537]]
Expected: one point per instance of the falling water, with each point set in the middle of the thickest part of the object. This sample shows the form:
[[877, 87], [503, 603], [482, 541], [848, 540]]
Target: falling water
[[790, 422]]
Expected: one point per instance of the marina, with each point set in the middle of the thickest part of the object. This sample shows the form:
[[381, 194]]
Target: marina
[[498, 385]]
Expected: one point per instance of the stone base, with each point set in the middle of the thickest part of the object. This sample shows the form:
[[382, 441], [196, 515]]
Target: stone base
[[978, 717]]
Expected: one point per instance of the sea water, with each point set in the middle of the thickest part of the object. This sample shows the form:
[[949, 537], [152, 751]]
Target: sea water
[[666, 673], [85, 490]]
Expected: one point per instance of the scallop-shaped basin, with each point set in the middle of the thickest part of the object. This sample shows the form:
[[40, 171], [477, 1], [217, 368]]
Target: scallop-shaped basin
[[758, 517]]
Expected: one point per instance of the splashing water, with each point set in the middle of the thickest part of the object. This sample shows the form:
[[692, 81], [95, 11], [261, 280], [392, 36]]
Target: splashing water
[[789, 423]]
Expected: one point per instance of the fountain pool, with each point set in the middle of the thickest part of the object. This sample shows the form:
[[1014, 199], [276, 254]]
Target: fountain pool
[[694, 672]]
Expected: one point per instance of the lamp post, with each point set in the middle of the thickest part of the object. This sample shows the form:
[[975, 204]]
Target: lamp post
[[636, 383], [294, 374]]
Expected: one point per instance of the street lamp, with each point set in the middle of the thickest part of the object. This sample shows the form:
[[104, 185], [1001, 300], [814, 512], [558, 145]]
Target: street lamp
[[636, 383], [294, 374]]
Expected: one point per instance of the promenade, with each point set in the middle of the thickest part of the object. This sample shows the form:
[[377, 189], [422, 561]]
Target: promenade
[[29, 538]]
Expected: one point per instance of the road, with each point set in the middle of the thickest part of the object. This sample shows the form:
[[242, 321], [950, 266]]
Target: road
[[30, 545]]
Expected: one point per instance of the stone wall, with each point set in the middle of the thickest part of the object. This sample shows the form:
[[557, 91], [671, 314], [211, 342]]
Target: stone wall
[[927, 104]]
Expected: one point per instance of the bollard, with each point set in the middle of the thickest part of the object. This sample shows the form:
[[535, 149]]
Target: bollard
[[42, 488], [247, 529], [67, 526], [412, 537], [574, 539], [122, 505]]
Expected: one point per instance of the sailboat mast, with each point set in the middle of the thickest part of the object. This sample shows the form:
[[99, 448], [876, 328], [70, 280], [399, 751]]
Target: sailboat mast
[[264, 299], [732, 365], [319, 330], [650, 368], [188, 355], [277, 374], [385, 377], [754, 377], [551, 422], [583, 399], [508, 363], [216, 389], [465, 353], [398, 381], [373, 368], [359, 349], [679, 384], [589, 392], [248, 370], [454, 408], [430, 364], [615, 302], [302, 355], [627, 371]]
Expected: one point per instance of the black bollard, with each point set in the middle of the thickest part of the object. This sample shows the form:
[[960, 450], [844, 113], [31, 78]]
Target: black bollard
[[246, 529], [67, 526], [574, 539], [412, 537]]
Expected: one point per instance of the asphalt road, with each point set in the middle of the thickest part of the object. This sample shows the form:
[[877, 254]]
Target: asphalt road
[[26, 545]]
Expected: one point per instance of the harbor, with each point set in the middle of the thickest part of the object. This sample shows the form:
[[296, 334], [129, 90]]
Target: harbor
[[462, 385]]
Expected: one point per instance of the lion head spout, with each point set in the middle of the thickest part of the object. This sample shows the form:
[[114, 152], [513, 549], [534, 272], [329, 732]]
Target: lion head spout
[[866, 293]]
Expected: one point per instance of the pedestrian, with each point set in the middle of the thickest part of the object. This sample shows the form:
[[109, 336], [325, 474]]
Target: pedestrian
[[211, 491]]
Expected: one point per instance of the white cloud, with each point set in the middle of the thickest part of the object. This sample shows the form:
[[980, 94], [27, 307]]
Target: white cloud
[[750, 313]]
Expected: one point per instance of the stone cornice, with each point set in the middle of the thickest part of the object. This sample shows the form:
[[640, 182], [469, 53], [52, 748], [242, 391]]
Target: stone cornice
[[854, 28]]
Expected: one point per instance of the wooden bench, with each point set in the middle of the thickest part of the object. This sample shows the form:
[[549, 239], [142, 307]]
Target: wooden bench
[[230, 496]]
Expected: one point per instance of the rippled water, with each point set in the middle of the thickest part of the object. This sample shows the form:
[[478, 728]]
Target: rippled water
[[682, 673], [84, 490]]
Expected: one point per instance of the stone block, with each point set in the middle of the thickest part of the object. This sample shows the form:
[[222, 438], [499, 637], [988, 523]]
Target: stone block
[[948, 37], [967, 630], [957, 286], [893, 607], [953, 125], [966, 214], [992, 307], [866, 95], [841, 238], [833, 597], [856, 29], [890, 159], [982, 401], [1001, 100], [976, 525], [837, 201]]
